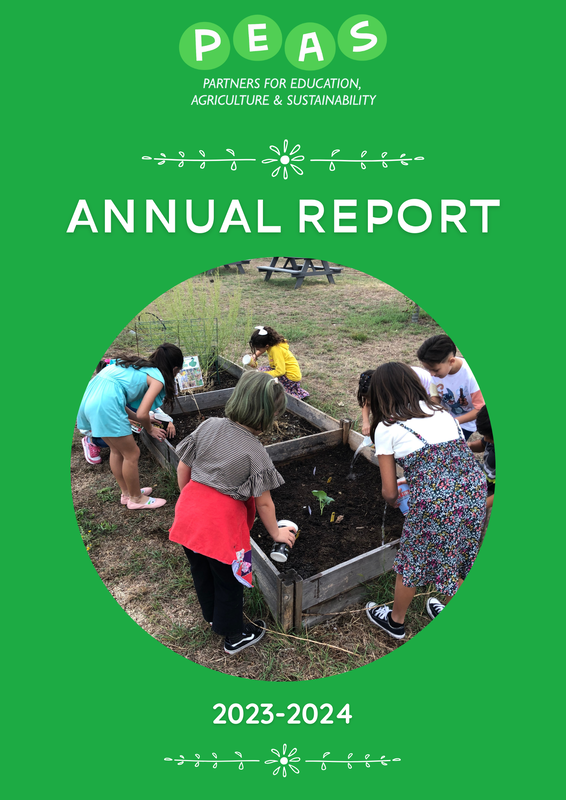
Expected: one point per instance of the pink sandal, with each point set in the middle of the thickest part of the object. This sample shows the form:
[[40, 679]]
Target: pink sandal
[[125, 498], [152, 502]]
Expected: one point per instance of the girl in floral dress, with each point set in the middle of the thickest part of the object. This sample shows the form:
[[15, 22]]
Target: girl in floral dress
[[442, 530]]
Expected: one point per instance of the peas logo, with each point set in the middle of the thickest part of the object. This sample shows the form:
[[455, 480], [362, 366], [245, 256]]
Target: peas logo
[[309, 46]]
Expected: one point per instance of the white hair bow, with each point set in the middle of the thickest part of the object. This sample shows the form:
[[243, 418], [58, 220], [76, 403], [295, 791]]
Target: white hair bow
[[261, 329]]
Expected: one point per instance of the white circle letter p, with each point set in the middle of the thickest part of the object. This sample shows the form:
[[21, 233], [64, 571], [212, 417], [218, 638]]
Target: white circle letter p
[[201, 48]]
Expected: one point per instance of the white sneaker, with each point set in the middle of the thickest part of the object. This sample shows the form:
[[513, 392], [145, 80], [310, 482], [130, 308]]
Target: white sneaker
[[434, 607]]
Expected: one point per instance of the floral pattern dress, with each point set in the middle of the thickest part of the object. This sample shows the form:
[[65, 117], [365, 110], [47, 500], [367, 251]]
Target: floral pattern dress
[[293, 388], [442, 530]]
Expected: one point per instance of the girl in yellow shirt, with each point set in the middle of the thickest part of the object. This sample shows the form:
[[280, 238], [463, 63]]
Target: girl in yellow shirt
[[282, 363]]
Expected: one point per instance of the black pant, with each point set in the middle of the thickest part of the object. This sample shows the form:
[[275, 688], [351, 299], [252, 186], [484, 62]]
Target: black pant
[[220, 595]]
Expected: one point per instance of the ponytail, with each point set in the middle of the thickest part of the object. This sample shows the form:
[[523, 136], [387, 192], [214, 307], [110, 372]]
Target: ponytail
[[165, 359], [268, 339]]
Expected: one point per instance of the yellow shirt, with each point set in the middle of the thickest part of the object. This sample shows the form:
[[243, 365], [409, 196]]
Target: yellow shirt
[[283, 362]]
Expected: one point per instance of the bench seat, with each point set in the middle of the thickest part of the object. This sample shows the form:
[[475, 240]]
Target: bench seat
[[280, 269]]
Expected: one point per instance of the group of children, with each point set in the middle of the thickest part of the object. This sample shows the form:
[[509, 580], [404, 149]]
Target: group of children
[[419, 418]]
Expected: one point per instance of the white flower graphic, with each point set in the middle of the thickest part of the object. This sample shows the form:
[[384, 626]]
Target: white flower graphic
[[284, 760], [284, 160]]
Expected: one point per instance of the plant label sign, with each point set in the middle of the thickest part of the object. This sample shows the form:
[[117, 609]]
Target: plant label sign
[[190, 376]]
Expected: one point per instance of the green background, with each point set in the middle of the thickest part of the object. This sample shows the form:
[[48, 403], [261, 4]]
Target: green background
[[94, 703]]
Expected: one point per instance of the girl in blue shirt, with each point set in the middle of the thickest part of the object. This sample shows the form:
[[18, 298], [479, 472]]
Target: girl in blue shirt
[[136, 382]]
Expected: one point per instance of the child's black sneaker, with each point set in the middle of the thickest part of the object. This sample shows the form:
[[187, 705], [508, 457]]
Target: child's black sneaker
[[381, 616], [252, 633], [434, 607]]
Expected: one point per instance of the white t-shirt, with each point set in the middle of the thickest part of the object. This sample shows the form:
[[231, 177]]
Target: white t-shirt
[[424, 376], [460, 393], [436, 428]]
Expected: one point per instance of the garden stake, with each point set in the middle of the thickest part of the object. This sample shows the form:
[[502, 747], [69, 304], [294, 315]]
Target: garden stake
[[190, 391]]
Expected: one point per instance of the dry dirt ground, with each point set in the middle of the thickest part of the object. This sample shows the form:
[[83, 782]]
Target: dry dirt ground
[[335, 332]]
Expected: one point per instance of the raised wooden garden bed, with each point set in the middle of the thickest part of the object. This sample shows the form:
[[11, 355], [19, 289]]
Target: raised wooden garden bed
[[296, 601], [330, 430], [293, 600]]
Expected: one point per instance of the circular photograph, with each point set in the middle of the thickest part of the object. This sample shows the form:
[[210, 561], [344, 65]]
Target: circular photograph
[[283, 469]]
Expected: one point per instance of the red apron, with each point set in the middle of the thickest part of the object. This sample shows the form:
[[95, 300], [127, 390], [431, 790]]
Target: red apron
[[215, 525]]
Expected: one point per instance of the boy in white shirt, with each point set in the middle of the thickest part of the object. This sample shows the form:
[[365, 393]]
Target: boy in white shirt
[[457, 388]]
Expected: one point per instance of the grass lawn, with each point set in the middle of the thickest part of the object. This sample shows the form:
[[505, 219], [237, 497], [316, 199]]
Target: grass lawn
[[335, 332]]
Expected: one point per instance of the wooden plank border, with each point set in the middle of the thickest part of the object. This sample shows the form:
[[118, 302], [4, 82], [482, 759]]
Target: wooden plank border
[[234, 369], [324, 611], [313, 415], [160, 450], [304, 446], [345, 576], [186, 404], [266, 575], [279, 453]]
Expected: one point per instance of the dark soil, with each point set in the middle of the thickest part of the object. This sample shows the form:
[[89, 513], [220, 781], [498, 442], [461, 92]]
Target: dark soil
[[321, 543], [225, 380], [288, 426]]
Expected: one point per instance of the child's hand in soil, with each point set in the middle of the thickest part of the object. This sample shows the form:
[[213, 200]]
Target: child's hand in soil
[[285, 535], [171, 430], [157, 433]]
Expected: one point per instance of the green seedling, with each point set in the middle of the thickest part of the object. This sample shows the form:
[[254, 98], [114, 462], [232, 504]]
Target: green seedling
[[323, 498]]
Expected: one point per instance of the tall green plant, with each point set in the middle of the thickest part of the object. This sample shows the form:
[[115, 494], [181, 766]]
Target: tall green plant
[[199, 316]]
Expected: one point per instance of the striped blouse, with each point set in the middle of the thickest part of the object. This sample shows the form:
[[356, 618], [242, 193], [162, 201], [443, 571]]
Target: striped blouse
[[229, 458]]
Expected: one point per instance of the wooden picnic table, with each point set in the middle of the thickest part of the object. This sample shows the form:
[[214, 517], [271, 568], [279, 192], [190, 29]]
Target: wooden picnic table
[[300, 271]]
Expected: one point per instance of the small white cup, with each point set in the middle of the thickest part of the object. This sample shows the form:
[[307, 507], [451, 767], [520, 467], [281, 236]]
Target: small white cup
[[286, 523]]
